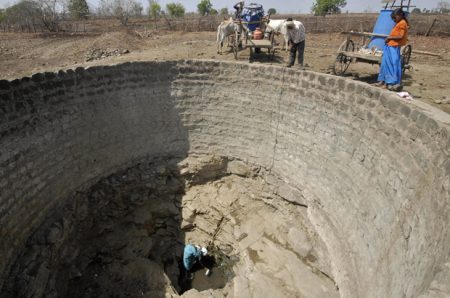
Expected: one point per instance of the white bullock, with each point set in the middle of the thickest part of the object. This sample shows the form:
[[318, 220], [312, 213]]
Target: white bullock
[[279, 26], [226, 28]]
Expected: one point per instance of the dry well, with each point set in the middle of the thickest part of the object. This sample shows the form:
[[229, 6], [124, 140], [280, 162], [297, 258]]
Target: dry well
[[373, 170]]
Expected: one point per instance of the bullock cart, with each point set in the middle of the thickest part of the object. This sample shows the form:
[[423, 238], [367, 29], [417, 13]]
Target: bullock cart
[[249, 32], [368, 47], [244, 39]]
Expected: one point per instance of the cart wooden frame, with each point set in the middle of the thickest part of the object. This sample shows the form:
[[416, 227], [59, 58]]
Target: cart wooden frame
[[241, 40], [349, 53]]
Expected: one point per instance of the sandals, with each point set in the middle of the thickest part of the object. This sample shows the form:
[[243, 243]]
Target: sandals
[[380, 84], [396, 87]]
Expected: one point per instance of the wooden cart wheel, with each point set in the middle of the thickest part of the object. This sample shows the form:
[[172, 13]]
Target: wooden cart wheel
[[341, 64], [348, 46], [406, 56], [342, 61]]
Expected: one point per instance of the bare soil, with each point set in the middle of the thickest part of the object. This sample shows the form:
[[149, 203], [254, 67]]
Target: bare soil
[[26, 53]]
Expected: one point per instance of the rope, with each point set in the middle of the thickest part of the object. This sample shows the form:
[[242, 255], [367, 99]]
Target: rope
[[280, 95]]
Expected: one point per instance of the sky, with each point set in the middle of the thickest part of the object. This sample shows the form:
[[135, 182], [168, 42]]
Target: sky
[[282, 6]]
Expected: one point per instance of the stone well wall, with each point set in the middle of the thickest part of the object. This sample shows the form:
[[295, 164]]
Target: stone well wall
[[375, 171]]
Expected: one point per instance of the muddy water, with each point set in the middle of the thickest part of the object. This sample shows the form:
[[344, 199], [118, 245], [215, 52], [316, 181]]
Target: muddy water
[[220, 274]]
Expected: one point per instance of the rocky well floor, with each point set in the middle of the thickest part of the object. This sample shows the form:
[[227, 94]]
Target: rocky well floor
[[125, 236]]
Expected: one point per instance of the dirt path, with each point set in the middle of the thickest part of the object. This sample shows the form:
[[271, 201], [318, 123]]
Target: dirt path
[[25, 54]]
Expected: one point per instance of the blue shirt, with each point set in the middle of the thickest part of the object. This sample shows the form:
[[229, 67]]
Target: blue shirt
[[190, 256]]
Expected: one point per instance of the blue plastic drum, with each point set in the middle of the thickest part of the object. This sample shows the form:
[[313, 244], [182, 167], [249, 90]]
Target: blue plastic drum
[[252, 15], [383, 25]]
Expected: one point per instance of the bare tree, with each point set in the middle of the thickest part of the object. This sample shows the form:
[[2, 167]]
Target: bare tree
[[443, 6], [105, 8], [49, 13], [136, 9], [121, 9]]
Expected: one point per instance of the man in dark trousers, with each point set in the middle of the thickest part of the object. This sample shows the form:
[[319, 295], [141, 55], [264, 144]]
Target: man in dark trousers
[[296, 36]]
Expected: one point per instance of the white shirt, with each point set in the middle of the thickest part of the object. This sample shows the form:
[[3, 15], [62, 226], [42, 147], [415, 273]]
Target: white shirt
[[296, 34]]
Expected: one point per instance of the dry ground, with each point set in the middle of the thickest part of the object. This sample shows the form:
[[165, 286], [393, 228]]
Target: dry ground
[[25, 54]]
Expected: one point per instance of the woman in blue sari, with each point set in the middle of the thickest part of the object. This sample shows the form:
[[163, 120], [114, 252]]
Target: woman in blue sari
[[391, 64]]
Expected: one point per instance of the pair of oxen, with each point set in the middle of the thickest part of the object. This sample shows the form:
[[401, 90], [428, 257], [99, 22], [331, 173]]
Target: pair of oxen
[[229, 27]]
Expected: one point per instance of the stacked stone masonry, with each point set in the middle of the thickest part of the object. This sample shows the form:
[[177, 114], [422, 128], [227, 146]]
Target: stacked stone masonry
[[375, 170]]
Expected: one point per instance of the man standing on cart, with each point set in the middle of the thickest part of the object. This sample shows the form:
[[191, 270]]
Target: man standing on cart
[[296, 34], [238, 7]]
